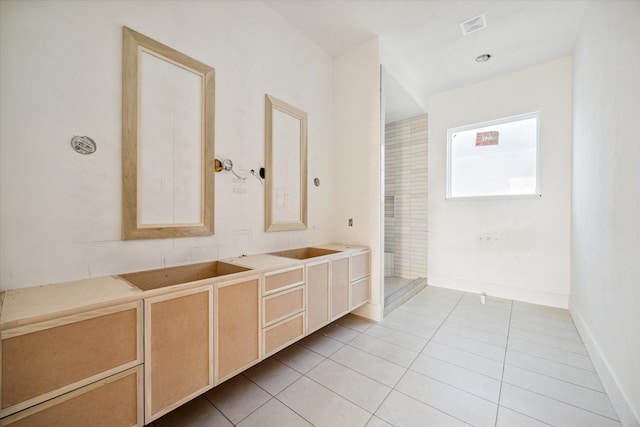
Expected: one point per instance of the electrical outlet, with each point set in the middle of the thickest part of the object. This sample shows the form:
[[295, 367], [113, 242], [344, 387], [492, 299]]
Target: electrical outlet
[[350, 222]]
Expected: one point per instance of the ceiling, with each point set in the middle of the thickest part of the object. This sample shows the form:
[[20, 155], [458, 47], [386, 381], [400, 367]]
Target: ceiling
[[425, 36]]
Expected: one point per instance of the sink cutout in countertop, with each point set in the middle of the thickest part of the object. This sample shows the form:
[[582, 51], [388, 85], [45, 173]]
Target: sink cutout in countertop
[[162, 277], [304, 253]]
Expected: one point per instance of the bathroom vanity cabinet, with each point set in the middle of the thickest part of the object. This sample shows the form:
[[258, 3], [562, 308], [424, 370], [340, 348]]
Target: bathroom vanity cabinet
[[125, 350]]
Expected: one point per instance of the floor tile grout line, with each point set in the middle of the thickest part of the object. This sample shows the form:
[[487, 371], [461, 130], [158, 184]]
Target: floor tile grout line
[[218, 409], [420, 352], [550, 360], [271, 397], [469, 310], [570, 327], [429, 340], [458, 366], [380, 357], [432, 321], [556, 378], [396, 344], [440, 325], [437, 309], [472, 339], [300, 372], [502, 323], [435, 318], [552, 347], [369, 353], [543, 311], [547, 335], [474, 329], [504, 363], [405, 332], [563, 402], [364, 375], [526, 415], [467, 351], [310, 349], [287, 406], [431, 406], [344, 397], [275, 396], [454, 386], [382, 325]]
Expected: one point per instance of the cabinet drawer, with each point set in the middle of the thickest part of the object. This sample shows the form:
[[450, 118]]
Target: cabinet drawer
[[274, 282], [282, 305], [278, 336], [115, 401], [44, 360], [360, 292], [360, 266]]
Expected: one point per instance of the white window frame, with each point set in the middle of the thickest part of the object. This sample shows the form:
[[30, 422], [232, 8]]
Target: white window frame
[[450, 132]]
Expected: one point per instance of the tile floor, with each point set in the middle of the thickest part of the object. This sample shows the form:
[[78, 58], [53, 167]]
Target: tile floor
[[441, 359]]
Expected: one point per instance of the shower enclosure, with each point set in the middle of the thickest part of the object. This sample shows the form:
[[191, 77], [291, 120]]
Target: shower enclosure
[[405, 210]]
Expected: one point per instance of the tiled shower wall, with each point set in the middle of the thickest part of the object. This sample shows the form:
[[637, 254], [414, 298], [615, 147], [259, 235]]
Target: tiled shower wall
[[405, 229]]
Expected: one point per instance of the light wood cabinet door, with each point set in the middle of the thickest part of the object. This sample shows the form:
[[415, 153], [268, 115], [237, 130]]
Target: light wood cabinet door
[[317, 295], [115, 401], [237, 326], [44, 360], [178, 349], [339, 287]]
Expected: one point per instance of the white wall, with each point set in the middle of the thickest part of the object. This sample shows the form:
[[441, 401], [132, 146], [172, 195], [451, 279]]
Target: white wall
[[527, 254], [356, 165], [60, 213], [605, 258]]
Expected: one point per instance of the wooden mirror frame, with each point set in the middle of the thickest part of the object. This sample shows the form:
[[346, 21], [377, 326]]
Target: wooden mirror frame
[[300, 223], [134, 44]]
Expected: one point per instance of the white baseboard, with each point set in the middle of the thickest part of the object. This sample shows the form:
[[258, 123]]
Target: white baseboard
[[618, 399], [509, 292]]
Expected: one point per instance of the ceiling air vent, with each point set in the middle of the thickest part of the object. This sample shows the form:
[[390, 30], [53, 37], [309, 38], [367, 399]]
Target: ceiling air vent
[[474, 24]]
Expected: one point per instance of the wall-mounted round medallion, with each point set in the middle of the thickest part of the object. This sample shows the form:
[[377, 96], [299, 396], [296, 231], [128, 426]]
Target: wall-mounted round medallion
[[83, 145]]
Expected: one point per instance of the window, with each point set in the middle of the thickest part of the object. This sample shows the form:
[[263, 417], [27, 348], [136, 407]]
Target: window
[[498, 158]]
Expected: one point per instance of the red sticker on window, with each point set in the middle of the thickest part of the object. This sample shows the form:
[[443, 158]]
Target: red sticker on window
[[487, 138]]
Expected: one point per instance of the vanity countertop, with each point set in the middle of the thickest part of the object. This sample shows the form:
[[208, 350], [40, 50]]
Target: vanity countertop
[[29, 305], [25, 306]]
